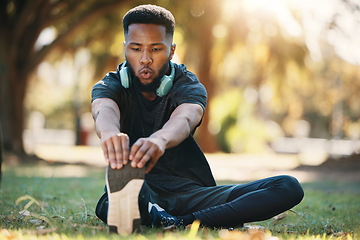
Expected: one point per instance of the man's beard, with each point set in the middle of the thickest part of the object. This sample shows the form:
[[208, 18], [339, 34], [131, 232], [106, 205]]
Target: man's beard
[[151, 87]]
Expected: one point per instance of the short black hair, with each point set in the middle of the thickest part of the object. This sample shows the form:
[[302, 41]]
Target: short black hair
[[150, 14]]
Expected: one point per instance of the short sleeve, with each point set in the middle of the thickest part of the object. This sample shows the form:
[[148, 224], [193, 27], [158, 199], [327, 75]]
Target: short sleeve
[[109, 87], [188, 89]]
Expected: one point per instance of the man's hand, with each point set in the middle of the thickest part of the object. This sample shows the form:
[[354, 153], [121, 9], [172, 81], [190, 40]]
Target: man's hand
[[146, 150], [116, 149]]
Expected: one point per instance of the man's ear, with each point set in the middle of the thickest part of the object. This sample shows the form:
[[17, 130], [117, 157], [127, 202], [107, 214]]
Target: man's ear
[[172, 50]]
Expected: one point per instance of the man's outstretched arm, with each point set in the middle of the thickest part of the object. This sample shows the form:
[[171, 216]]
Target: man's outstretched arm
[[114, 144], [179, 126]]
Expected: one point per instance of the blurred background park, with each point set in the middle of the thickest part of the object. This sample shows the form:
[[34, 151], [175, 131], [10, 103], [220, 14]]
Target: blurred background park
[[282, 76]]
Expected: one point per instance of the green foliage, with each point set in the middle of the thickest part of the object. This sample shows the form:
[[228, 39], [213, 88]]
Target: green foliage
[[236, 125]]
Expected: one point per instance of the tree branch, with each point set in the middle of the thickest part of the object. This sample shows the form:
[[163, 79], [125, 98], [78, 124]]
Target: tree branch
[[23, 18], [65, 13], [25, 48], [91, 15]]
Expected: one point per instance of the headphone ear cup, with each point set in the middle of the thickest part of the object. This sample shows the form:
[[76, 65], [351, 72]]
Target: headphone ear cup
[[124, 77], [165, 86], [166, 82]]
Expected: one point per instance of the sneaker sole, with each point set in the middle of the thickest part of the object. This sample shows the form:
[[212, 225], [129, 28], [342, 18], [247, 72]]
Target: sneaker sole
[[123, 187]]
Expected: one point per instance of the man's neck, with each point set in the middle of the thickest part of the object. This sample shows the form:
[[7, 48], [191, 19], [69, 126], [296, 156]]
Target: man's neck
[[150, 96]]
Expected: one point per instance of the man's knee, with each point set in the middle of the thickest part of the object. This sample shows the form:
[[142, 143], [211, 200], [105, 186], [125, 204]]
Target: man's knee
[[293, 189]]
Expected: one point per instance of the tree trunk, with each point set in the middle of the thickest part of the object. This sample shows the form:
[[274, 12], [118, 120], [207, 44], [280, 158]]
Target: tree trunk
[[206, 140], [12, 94], [20, 25], [1, 154]]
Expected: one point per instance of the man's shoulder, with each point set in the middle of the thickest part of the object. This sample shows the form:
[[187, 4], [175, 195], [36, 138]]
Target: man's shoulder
[[185, 79], [182, 73], [187, 88], [108, 87]]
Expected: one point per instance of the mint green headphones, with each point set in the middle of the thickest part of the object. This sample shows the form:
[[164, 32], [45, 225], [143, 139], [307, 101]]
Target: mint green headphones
[[165, 83]]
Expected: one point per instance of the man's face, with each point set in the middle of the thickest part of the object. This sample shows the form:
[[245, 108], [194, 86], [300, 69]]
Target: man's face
[[147, 50]]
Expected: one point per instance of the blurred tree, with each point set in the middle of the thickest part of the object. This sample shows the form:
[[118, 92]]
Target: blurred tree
[[1, 155], [202, 18], [275, 72], [21, 23]]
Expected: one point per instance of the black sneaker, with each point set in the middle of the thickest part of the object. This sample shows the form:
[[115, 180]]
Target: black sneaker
[[101, 209], [160, 218], [123, 187]]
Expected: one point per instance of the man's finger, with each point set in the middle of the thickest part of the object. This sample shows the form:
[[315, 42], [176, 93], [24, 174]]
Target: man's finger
[[105, 151], [149, 166], [117, 151], [145, 158], [111, 154], [140, 151], [134, 149], [153, 160], [124, 142]]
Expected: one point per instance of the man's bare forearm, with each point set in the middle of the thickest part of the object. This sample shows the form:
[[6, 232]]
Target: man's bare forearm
[[106, 122], [114, 144], [181, 123], [107, 119]]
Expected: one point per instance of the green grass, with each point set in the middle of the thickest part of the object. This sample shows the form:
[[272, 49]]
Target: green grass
[[38, 201]]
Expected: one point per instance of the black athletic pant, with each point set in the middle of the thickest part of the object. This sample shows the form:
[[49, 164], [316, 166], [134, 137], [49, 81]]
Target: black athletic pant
[[255, 201]]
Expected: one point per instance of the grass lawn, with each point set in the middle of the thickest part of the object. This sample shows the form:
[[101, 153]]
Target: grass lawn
[[57, 202]]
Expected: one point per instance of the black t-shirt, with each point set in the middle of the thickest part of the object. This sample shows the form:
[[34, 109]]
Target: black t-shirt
[[181, 167]]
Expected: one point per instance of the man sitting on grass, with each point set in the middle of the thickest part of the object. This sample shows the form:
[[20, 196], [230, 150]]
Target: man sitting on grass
[[145, 115]]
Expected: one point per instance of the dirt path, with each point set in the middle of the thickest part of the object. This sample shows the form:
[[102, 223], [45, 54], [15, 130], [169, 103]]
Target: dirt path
[[251, 167], [226, 167]]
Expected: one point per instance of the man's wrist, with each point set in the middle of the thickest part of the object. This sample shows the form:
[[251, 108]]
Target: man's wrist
[[105, 134], [160, 139]]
